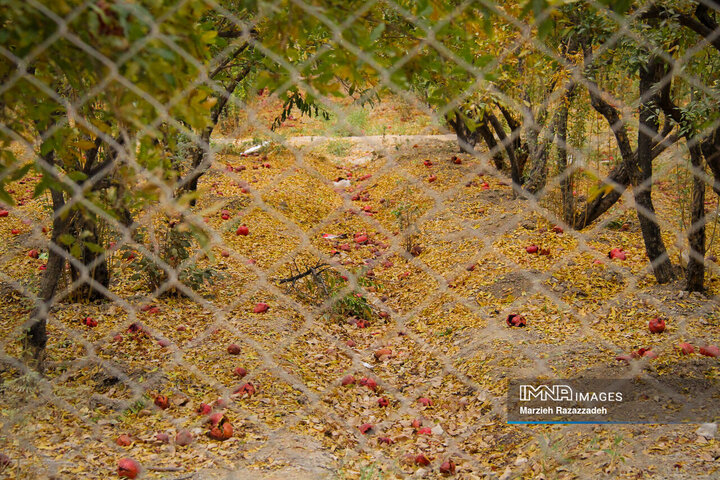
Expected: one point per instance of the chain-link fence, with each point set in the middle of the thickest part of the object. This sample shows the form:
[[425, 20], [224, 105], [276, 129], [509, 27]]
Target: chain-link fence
[[317, 239]]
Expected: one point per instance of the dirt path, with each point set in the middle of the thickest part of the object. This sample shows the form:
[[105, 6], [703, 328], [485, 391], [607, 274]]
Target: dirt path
[[370, 140]]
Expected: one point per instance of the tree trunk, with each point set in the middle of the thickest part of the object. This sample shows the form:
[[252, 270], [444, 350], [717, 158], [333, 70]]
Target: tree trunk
[[465, 138], [200, 159], [611, 189], [642, 174], [509, 145], [493, 147], [36, 338], [537, 177], [695, 274], [566, 183], [515, 137], [94, 262], [711, 151]]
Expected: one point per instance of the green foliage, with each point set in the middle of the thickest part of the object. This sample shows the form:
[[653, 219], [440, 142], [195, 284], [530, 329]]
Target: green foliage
[[176, 252], [406, 216], [339, 148], [353, 305]]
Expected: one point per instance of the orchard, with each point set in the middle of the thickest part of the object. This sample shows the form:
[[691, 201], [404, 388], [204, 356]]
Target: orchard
[[327, 239]]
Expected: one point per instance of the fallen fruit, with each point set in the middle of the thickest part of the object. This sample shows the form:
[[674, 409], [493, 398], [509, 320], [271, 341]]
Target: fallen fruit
[[557, 229], [424, 401], [222, 430], [215, 418], [365, 428], [162, 438], [124, 440], [656, 325], [432, 178], [261, 308], [164, 342], [447, 467], [617, 253], [624, 358], [424, 431], [427, 163], [382, 353], [383, 402], [240, 372], [242, 230], [246, 388], [368, 382], [183, 437], [686, 348], [514, 320], [15, 231], [204, 409], [233, 349], [361, 239], [4, 213], [531, 249], [162, 402], [347, 380], [456, 160], [33, 254], [135, 328], [710, 351], [128, 468], [90, 322], [422, 460]]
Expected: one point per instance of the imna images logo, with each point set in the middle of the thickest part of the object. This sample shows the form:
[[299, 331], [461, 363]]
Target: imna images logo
[[564, 393], [546, 393]]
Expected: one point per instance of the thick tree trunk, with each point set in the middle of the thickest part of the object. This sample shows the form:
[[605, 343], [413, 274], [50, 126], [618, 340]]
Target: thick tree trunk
[[36, 338], [610, 190], [642, 174], [711, 152], [566, 183], [695, 274], [494, 148], [537, 177], [509, 144], [520, 154], [466, 139], [94, 262]]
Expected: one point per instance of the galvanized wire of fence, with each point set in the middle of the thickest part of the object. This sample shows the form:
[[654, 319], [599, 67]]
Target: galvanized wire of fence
[[224, 316]]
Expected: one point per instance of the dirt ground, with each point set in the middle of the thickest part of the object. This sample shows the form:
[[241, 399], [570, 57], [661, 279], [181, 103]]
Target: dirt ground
[[416, 311]]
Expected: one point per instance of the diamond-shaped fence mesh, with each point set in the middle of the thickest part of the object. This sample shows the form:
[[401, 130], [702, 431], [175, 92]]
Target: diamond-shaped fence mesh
[[316, 239]]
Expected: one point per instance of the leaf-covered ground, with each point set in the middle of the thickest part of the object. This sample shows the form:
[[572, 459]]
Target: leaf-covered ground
[[426, 257]]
